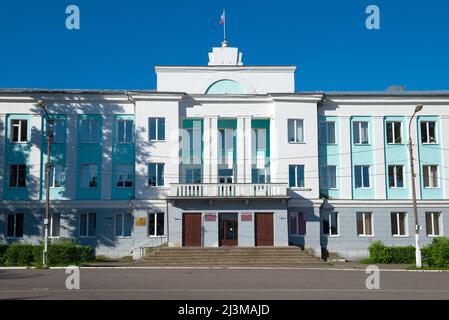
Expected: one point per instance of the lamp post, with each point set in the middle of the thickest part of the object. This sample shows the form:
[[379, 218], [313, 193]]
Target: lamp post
[[415, 206], [41, 104]]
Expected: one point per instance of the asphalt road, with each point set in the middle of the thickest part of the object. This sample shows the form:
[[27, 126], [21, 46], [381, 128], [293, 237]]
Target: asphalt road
[[229, 284]]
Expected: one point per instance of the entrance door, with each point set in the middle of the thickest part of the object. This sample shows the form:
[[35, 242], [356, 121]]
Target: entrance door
[[191, 230], [264, 229], [228, 229]]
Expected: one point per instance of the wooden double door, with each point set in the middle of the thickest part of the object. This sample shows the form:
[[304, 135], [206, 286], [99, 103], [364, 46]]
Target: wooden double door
[[264, 229], [191, 230]]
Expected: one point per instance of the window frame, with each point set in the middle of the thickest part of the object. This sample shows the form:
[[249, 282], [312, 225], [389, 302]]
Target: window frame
[[359, 122], [295, 132], [53, 176], [14, 214], [90, 141], [51, 225], [329, 221], [364, 234], [81, 175], [19, 132], [51, 123], [406, 231], [155, 220], [429, 177], [88, 223], [393, 133], [428, 131], [362, 176], [17, 178], [157, 185], [326, 124], [123, 215], [395, 176], [124, 121], [326, 166], [117, 174], [157, 138], [297, 215], [296, 167], [440, 224]]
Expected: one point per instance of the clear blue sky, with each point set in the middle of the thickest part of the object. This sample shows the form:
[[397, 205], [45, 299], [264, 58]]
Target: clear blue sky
[[120, 41]]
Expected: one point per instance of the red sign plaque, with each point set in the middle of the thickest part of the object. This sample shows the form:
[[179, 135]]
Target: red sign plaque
[[210, 217], [247, 216]]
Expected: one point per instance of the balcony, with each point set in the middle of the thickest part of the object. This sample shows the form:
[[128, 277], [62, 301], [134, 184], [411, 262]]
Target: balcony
[[234, 190]]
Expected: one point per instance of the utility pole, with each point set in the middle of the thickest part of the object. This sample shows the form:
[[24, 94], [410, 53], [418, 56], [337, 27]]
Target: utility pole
[[41, 104], [415, 206]]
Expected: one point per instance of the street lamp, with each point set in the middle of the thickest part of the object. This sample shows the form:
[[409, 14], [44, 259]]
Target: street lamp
[[41, 104], [415, 206]]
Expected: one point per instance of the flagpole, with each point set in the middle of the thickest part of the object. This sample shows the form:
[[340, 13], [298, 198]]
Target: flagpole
[[224, 24]]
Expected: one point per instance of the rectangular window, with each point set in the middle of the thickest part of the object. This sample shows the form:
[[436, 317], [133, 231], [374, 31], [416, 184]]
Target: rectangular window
[[361, 175], [55, 225], [328, 177], [123, 224], [296, 176], [88, 224], [14, 225], [295, 130], [225, 146], [193, 175], [90, 130], [156, 174], [260, 175], [433, 224], [394, 132], [327, 132], [57, 130], [399, 223], [19, 131], [361, 132], [364, 223], [430, 176], [297, 224], [157, 129], [331, 225], [396, 176], [124, 176], [125, 131], [156, 224], [428, 132], [56, 175], [89, 176], [17, 175]]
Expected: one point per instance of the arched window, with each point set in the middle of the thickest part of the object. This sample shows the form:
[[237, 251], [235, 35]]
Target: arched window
[[225, 87]]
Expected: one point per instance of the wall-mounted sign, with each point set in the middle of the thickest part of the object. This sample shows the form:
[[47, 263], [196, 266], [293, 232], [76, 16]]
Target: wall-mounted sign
[[247, 216], [140, 222], [210, 217]]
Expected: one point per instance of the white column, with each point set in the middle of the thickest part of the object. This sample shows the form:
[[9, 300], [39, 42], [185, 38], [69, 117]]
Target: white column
[[71, 165], [2, 152], [106, 165], [210, 163], [345, 158], [274, 153], [35, 157], [241, 141], [378, 170], [445, 153], [248, 149]]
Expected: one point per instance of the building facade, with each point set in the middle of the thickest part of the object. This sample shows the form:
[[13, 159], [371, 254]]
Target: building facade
[[224, 155]]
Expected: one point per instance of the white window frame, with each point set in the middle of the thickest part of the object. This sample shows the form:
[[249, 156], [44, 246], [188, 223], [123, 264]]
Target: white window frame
[[297, 166], [359, 123], [364, 235], [398, 235], [15, 225], [395, 176], [155, 235], [88, 222], [19, 132], [83, 165], [157, 174], [440, 224], [90, 140], [297, 214], [117, 174], [295, 132], [53, 176], [393, 134], [122, 217], [51, 225], [362, 176], [428, 131], [329, 215], [429, 177], [117, 137], [326, 187], [326, 141], [157, 129]]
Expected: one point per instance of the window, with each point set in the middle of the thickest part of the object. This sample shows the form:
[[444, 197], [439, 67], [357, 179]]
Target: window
[[56, 174], [89, 130], [225, 175], [361, 174], [89, 176], [361, 132], [157, 129], [399, 223], [428, 132], [156, 174], [327, 132], [225, 146], [125, 131], [330, 224], [297, 224], [259, 139], [19, 130], [260, 175], [55, 225], [156, 224], [14, 225], [57, 130], [88, 224], [123, 224], [396, 176], [295, 130], [433, 224], [430, 176], [328, 177], [394, 132], [296, 176], [193, 175], [124, 176], [364, 223], [17, 175]]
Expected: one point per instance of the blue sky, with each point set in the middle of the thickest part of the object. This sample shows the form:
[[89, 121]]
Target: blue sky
[[120, 42]]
